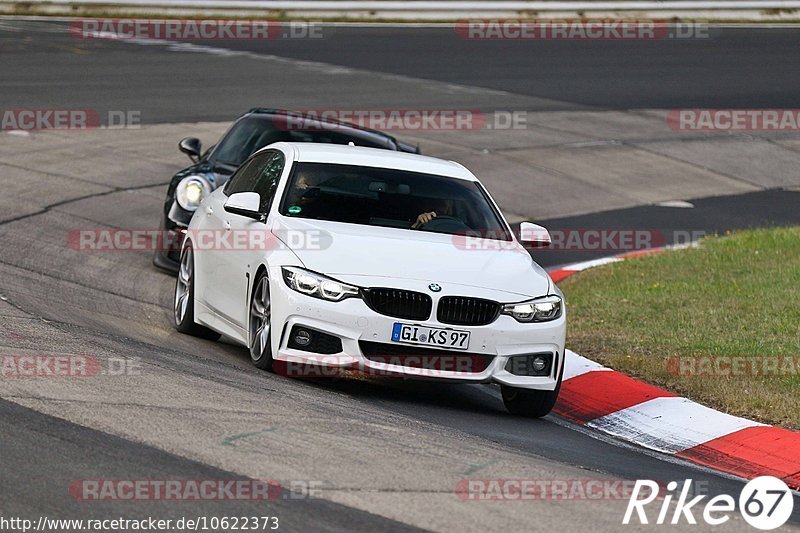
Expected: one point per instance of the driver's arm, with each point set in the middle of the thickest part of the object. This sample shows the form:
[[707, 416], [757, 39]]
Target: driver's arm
[[423, 219]]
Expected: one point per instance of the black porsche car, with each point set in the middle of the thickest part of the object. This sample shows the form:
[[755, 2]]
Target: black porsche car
[[250, 132]]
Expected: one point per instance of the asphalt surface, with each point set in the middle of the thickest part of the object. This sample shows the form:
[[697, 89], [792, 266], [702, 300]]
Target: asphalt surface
[[386, 454], [741, 67], [663, 226], [76, 453], [732, 67]]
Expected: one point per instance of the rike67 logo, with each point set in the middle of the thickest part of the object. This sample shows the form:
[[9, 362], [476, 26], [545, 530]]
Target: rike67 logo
[[765, 503]]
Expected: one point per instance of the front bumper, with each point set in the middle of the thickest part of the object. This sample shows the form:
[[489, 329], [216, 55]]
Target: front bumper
[[174, 223], [353, 322], [179, 216]]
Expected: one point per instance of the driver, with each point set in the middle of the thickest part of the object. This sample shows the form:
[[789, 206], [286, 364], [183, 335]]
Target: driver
[[437, 207], [305, 195]]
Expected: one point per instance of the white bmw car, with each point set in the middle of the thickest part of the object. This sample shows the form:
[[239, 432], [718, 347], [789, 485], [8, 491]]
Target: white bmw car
[[319, 256]]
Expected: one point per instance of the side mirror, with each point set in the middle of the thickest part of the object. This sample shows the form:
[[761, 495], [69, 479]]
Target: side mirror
[[246, 204], [534, 235], [190, 146]]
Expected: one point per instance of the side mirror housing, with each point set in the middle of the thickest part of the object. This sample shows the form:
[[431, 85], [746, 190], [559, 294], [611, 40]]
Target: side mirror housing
[[190, 146], [534, 235], [246, 204]]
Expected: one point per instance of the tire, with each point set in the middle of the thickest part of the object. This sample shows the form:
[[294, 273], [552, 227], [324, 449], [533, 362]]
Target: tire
[[530, 403], [183, 303], [259, 327]]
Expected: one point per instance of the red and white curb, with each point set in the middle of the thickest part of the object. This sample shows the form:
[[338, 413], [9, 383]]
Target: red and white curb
[[562, 272], [628, 409]]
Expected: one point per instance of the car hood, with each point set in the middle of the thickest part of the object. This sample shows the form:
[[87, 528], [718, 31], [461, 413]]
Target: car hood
[[374, 256]]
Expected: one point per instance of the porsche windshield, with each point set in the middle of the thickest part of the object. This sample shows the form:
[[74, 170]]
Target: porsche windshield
[[255, 132], [391, 198]]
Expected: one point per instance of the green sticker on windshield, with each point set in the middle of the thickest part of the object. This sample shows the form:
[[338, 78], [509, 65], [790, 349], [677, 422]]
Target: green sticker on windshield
[[293, 210]]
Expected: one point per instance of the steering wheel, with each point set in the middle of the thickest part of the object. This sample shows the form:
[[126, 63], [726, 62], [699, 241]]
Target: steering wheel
[[444, 224]]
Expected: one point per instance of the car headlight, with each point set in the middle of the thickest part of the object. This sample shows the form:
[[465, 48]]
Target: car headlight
[[539, 310], [316, 285], [191, 190]]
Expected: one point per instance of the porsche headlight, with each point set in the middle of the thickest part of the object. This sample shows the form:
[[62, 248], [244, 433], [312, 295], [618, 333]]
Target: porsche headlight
[[316, 285], [191, 190], [539, 310]]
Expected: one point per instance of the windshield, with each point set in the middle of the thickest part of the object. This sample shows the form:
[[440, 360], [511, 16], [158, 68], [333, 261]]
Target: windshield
[[255, 132], [391, 198]]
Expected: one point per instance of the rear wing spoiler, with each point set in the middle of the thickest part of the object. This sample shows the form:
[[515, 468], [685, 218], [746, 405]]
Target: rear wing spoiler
[[408, 148]]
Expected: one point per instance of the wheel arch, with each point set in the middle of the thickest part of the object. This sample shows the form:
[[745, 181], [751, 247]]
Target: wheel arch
[[260, 269]]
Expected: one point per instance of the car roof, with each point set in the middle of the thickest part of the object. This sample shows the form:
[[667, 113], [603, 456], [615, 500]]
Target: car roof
[[315, 124], [373, 157], [316, 117]]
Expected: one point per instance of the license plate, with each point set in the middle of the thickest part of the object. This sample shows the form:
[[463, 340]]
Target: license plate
[[440, 337]]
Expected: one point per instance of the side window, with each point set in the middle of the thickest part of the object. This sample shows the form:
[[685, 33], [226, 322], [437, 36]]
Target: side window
[[261, 174], [268, 180], [243, 179]]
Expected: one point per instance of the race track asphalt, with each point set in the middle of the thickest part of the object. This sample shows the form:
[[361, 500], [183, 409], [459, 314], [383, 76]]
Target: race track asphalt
[[734, 67], [387, 454]]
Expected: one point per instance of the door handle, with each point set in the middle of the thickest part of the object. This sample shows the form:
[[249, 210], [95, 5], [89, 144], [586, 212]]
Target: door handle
[[228, 225], [209, 210]]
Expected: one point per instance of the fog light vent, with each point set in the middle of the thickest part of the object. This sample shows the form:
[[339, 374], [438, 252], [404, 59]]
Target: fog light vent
[[538, 364], [311, 340]]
